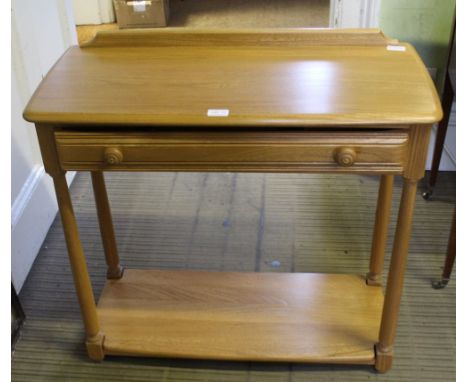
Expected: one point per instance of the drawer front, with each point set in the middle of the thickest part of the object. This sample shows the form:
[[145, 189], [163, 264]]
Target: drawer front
[[363, 151]]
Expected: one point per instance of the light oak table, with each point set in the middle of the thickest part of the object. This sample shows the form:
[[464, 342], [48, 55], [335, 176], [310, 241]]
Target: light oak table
[[292, 100]]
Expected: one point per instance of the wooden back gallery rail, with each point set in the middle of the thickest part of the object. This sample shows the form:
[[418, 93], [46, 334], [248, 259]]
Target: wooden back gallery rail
[[286, 100]]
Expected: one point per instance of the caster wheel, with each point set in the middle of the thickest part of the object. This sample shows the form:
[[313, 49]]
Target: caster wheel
[[427, 194], [440, 284]]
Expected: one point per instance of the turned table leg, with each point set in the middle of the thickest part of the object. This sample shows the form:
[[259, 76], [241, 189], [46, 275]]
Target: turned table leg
[[384, 349], [382, 217], [450, 257], [94, 338], [114, 270]]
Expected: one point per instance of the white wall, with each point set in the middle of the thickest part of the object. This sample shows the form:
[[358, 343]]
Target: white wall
[[93, 12], [41, 31]]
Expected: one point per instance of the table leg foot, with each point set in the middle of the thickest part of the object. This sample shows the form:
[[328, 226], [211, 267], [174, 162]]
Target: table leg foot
[[373, 279], [440, 284], [427, 194], [383, 359], [95, 347], [115, 273]]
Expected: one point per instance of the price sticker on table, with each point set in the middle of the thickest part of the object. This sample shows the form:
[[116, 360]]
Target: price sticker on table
[[217, 113], [396, 48]]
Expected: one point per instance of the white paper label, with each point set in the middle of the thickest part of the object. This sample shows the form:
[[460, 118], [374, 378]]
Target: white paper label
[[217, 112], [139, 6], [396, 48]]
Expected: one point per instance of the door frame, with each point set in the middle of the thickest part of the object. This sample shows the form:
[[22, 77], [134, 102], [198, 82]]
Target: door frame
[[93, 12], [354, 13]]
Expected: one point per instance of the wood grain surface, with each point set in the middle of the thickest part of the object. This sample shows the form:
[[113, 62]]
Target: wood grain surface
[[239, 37], [263, 78], [241, 316], [300, 151]]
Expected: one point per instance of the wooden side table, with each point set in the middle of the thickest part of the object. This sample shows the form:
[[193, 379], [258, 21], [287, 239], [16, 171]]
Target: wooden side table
[[292, 100]]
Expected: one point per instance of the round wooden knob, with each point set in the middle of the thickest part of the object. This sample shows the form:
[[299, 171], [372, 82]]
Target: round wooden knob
[[345, 156], [113, 155]]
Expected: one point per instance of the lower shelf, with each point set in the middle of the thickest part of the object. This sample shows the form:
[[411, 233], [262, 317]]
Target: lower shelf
[[293, 317]]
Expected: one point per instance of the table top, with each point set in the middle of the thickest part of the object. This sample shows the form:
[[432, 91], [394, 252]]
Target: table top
[[283, 77]]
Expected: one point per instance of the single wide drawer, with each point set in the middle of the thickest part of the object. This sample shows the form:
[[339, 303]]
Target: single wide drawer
[[302, 151]]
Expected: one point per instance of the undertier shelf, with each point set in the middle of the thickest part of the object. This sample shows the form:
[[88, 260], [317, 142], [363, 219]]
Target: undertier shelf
[[291, 317]]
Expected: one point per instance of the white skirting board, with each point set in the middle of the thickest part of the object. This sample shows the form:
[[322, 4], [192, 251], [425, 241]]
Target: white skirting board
[[32, 214]]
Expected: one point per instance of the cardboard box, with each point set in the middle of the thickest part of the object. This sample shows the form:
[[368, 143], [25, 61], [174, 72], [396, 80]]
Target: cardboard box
[[142, 14]]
